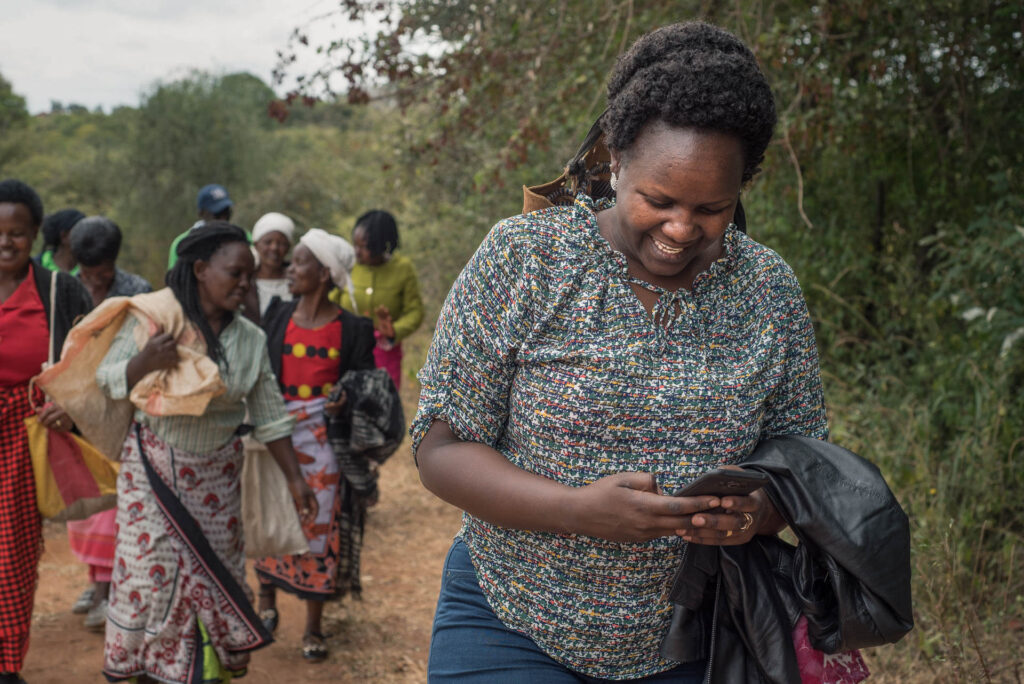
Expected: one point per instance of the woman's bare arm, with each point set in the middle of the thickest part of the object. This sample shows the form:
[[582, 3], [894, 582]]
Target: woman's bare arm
[[622, 507]]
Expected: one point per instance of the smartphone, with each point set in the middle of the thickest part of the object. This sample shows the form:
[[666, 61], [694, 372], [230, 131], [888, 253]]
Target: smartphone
[[723, 482]]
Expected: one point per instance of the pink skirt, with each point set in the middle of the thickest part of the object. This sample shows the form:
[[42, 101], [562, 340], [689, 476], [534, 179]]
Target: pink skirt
[[93, 540], [388, 355]]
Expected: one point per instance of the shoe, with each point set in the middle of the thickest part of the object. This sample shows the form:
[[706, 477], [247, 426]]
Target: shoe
[[83, 604], [97, 617], [313, 647], [269, 617]]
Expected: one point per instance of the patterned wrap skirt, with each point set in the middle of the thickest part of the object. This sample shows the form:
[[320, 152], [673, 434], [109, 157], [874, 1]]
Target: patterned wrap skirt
[[312, 575], [20, 529], [179, 562]]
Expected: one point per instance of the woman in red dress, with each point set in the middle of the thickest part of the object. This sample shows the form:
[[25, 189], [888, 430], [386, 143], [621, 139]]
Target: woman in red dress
[[312, 342], [25, 338]]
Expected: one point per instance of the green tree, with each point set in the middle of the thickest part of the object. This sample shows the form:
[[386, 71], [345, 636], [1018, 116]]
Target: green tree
[[13, 116], [197, 130]]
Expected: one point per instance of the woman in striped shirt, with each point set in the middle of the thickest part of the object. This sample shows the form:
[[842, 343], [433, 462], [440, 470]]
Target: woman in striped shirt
[[179, 609]]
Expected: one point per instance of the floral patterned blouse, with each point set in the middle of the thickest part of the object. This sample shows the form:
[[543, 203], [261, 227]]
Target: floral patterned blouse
[[544, 352]]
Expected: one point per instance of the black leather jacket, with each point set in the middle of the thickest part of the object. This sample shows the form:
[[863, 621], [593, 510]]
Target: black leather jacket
[[850, 574]]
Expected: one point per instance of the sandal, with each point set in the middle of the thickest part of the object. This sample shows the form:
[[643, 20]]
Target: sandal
[[313, 647], [83, 604], [269, 618]]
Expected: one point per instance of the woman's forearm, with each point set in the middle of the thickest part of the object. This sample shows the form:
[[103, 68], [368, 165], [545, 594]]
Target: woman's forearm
[[482, 482], [284, 454], [623, 506], [136, 369]]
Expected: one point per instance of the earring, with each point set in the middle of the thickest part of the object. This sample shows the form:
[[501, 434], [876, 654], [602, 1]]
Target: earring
[[614, 181]]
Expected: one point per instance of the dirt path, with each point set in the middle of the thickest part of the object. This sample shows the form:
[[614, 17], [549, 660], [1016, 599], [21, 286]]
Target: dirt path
[[383, 638]]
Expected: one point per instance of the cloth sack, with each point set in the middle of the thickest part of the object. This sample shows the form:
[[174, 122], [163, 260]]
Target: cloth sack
[[269, 518], [73, 479], [185, 389]]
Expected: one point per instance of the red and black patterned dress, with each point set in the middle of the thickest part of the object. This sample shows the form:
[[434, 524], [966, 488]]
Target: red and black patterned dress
[[310, 365], [24, 340]]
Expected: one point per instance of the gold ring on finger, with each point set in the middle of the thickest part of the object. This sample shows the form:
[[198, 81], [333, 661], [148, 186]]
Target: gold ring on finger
[[748, 520], [728, 533]]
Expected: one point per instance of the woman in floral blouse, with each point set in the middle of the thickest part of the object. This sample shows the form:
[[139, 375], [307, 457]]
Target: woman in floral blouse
[[593, 359]]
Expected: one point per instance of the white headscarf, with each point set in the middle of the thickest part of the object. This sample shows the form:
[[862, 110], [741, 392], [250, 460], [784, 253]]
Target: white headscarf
[[271, 222], [334, 253]]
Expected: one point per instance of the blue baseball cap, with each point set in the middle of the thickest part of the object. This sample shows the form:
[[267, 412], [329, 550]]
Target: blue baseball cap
[[213, 198]]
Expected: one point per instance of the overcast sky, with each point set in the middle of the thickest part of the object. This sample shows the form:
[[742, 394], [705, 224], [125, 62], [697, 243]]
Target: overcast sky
[[108, 52]]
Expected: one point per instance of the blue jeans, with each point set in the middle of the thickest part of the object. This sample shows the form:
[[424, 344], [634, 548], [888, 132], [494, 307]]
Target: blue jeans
[[470, 644]]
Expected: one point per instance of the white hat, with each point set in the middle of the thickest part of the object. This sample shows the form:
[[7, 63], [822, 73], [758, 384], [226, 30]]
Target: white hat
[[333, 252], [271, 222]]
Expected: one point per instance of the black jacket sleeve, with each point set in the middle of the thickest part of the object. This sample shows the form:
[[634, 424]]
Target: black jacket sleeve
[[357, 342], [72, 302], [274, 323]]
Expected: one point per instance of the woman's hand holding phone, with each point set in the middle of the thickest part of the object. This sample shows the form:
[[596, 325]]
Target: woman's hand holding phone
[[627, 507], [723, 507], [745, 509]]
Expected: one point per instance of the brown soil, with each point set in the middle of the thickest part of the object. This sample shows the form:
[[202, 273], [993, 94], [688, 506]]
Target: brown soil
[[383, 638]]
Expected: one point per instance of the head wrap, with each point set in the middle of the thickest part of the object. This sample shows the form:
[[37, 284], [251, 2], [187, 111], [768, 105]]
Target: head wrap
[[58, 223], [333, 252], [271, 222], [219, 231]]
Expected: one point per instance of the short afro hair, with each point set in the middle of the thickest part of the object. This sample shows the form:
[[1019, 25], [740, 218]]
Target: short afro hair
[[95, 240], [691, 75], [58, 223], [13, 191], [381, 231]]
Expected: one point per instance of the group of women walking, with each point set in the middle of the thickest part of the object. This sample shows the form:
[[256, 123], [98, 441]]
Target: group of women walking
[[167, 568], [592, 359]]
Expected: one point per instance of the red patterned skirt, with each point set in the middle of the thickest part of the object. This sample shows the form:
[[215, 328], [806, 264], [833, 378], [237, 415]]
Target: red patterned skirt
[[21, 539], [312, 575], [179, 561]]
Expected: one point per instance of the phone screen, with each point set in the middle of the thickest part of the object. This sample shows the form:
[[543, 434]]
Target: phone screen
[[723, 482]]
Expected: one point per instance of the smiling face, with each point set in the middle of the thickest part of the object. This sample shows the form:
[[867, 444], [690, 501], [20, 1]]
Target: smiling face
[[676, 195], [16, 235], [305, 274], [272, 249], [224, 280]]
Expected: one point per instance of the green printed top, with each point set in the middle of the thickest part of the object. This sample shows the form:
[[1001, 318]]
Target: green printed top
[[249, 381], [392, 284], [46, 261], [544, 352]]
